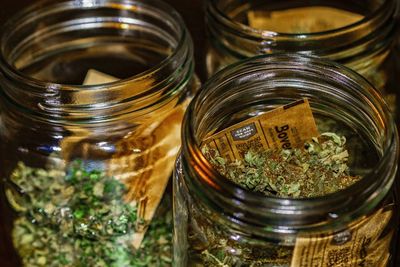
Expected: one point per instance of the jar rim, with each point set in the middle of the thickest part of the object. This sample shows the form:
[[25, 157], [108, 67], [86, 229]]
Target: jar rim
[[157, 87], [122, 4], [245, 29], [351, 44], [207, 177]]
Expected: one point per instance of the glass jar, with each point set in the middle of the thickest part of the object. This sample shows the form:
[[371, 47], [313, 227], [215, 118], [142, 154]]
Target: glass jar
[[85, 159], [359, 34], [218, 223]]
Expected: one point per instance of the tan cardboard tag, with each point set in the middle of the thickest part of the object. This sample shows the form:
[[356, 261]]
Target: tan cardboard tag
[[282, 128], [302, 20], [144, 160], [146, 170], [359, 245], [96, 77]]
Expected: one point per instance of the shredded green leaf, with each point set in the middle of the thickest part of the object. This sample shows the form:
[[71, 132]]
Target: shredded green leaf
[[79, 218]]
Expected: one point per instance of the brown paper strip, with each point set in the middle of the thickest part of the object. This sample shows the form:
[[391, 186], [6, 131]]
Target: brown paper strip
[[282, 128], [146, 170], [359, 245], [302, 20]]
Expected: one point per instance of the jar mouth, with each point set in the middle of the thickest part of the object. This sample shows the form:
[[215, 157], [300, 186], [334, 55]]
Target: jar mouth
[[263, 33], [339, 43], [78, 24], [278, 213]]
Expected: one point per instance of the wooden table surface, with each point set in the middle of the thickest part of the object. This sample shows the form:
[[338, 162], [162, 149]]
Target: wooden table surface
[[192, 12]]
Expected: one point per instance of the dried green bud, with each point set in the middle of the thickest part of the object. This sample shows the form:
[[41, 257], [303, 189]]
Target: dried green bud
[[318, 169]]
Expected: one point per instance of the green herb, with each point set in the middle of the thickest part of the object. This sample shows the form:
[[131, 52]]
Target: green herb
[[79, 218], [214, 245], [318, 169]]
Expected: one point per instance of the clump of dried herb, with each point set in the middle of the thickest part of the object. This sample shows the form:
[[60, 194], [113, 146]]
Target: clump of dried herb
[[223, 251], [318, 169], [79, 218], [215, 244]]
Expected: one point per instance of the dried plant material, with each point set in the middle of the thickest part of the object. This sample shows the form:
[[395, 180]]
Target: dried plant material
[[146, 172], [318, 169], [300, 163], [143, 157], [79, 218]]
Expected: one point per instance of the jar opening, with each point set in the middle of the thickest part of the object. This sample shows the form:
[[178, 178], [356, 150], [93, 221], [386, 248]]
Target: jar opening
[[48, 49], [59, 42], [299, 17], [341, 100], [348, 32]]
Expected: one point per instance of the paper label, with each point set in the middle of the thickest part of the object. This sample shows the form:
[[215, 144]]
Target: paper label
[[282, 128], [302, 20], [146, 170], [360, 245], [144, 158], [94, 77]]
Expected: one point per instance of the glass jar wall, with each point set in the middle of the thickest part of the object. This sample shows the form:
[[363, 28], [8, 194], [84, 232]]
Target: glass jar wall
[[358, 34], [219, 223], [92, 97]]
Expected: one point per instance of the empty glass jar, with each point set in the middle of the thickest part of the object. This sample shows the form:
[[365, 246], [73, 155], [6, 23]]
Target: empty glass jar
[[218, 223], [92, 95]]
